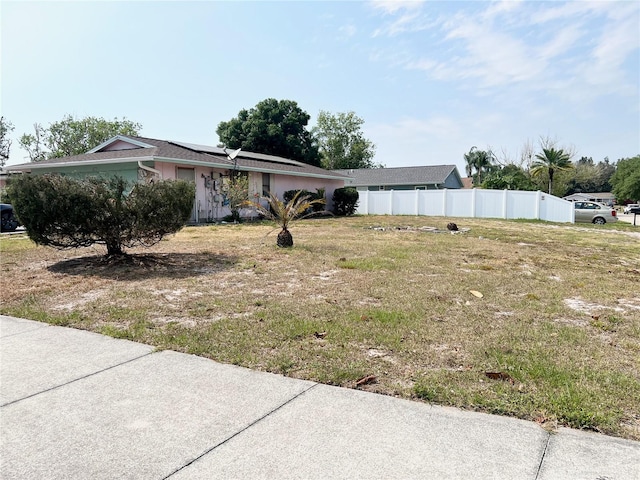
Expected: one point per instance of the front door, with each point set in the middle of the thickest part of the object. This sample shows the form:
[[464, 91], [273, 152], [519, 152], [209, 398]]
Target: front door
[[189, 175]]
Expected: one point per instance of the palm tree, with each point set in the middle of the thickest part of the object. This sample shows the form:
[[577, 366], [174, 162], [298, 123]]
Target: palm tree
[[480, 161], [284, 214], [551, 161]]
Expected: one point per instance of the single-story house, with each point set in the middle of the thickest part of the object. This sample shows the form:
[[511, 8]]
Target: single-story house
[[403, 178], [607, 198], [145, 159]]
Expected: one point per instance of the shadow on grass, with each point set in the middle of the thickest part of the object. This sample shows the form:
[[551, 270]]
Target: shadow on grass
[[145, 266]]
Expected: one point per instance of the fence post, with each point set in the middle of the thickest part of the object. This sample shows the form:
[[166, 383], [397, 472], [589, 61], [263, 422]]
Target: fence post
[[538, 202], [505, 197], [391, 203], [473, 203], [444, 202], [417, 192]]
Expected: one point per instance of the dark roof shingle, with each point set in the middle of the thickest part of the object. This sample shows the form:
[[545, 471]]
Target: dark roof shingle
[[177, 151], [422, 175]]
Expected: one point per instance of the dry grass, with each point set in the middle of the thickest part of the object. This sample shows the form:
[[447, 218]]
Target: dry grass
[[554, 338]]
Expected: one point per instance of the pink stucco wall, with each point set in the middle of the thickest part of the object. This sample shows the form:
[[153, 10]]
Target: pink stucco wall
[[282, 183], [207, 179]]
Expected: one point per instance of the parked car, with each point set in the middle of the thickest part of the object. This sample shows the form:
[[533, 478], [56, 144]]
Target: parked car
[[592, 212], [9, 221], [627, 208], [635, 210]]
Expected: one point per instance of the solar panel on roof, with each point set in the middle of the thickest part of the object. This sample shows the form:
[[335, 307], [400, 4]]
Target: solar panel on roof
[[201, 148], [243, 154]]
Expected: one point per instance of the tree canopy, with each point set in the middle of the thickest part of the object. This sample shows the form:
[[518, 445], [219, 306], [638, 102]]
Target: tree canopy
[[626, 179], [6, 127], [550, 161], [588, 176], [341, 142], [272, 127], [73, 136], [509, 177], [480, 162]]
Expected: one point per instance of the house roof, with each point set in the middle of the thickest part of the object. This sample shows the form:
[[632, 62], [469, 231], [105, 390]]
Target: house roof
[[422, 175], [151, 149], [590, 196]]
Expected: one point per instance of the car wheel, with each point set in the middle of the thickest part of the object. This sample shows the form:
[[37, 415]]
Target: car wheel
[[9, 224], [599, 221]]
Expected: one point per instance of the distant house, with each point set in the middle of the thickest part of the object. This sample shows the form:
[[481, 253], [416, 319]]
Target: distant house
[[141, 159], [403, 178], [607, 198]]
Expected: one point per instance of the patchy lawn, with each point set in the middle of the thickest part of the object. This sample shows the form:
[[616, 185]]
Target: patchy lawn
[[527, 319]]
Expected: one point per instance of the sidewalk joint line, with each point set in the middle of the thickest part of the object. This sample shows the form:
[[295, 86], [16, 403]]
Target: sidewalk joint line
[[544, 453], [75, 380], [206, 452], [23, 332]]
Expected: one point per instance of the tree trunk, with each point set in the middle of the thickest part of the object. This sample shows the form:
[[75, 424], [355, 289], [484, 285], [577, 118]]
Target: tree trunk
[[285, 240], [114, 248]]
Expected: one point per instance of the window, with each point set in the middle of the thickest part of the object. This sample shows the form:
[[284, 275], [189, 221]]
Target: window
[[266, 184]]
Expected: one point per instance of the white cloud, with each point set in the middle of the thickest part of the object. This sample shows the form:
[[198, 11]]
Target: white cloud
[[390, 7], [562, 50], [409, 22], [563, 41], [500, 7]]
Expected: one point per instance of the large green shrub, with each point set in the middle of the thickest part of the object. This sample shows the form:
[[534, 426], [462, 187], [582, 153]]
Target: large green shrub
[[345, 201], [64, 212]]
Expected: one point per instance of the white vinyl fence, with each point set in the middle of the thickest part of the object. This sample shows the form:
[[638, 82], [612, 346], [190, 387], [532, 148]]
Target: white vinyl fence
[[475, 202]]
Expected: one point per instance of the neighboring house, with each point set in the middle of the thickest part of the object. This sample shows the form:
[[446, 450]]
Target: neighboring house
[[403, 178], [467, 182], [145, 159], [607, 198]]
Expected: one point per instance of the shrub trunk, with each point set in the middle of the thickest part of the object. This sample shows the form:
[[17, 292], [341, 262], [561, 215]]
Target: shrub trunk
[[285, 239]]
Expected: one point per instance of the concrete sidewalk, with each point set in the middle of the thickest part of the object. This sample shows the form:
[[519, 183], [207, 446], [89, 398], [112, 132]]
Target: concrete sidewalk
[[75, 404]]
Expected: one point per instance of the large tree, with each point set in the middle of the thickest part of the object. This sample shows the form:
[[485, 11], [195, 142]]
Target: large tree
[[341, 141], [591, 177], [73, 136], [272, 127], [550, 161], [626, 180], [480, 162], [6, 127]]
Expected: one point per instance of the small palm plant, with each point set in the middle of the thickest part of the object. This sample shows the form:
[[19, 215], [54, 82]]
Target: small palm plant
[[284, 214]]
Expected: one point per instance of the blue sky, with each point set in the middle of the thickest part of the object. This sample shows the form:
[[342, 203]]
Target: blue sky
[[430, 79]]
